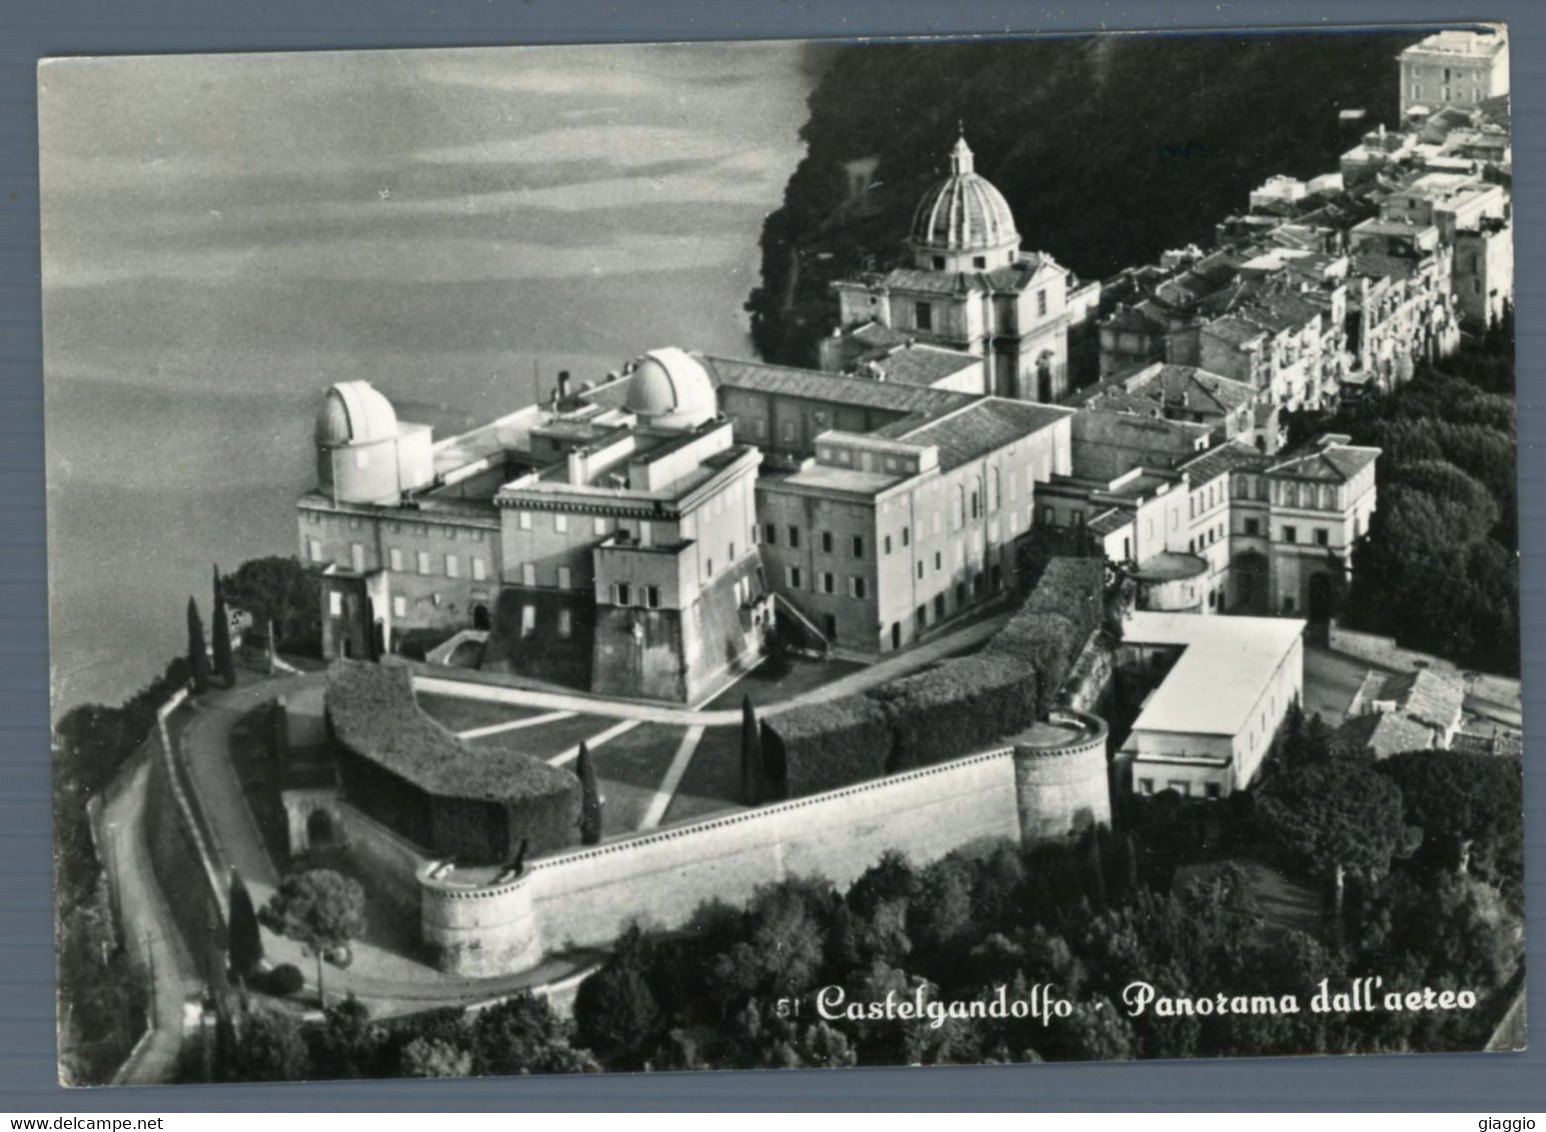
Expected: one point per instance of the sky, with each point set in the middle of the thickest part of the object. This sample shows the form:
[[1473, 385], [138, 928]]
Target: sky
[[224, 236]]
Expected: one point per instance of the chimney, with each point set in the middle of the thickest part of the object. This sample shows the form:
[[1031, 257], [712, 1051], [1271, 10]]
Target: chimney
[[563, 383]]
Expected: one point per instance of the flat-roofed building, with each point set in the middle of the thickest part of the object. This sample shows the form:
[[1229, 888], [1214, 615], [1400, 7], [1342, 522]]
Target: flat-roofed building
[[1454, 68], [1220, 687]]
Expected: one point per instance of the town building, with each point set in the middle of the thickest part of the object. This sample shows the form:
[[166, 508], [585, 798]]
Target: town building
[[1458, 68], [970, 288], [1218, 689]]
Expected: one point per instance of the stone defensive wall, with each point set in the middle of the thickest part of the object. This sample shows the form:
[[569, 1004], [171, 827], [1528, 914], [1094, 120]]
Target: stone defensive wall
[[1045, 783]]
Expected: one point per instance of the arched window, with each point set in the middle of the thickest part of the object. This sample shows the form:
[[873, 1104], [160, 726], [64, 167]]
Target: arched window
[[960, 510], [994, 487]]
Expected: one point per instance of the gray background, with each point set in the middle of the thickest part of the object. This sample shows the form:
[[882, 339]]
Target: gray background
[[1490, 1084]]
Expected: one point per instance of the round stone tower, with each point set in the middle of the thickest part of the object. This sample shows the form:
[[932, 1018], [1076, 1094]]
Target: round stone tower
[[1061, 781], [477, 927]]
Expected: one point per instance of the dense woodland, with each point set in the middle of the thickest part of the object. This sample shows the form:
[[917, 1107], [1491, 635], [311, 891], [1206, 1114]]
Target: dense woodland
[[1108, 150], [1427, 846], [1440, 568]]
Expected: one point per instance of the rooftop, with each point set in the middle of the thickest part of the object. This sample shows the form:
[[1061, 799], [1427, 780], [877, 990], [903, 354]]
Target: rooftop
[[1225, 665], [837, 388], [1381, 734], [985, 426]]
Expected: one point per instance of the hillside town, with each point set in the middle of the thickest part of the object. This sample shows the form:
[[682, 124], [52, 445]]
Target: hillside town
[[1029, 593]]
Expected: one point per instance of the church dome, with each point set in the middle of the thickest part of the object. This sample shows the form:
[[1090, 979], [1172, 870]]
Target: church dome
[[964, 212], [354, 413], [669, 388]]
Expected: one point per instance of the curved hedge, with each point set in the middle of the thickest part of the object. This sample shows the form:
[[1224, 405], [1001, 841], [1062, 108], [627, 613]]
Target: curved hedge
[[414, 776], [953, 709], [959, 707]]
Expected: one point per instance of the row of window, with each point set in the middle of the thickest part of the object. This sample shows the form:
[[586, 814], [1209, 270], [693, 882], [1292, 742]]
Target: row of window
[[624, 594], [564, 623], [424, 562], [825, 540], [1181, 786], [600, 524], [825, 582], [396, 527], [1321, 536]]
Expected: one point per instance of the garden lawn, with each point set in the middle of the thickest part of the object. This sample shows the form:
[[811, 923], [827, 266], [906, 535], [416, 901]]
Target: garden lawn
[[461, 714], [712, 783], [631, 768]]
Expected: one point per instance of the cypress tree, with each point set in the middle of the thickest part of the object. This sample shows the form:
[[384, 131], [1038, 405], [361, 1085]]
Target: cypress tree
[[246, 944], [753, 775], [225, 659], [198, 659], [590, 799]]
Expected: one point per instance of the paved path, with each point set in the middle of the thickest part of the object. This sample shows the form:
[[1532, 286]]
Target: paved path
[[515, 725], [673, 779], [596, 740], [882, 671], [387, 981], [150, 933]]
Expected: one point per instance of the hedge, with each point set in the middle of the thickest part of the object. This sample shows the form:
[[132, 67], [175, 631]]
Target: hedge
[[409, 772], [827, 745], [1049, 643], [1074, 588], [950, 710], [961, 706]]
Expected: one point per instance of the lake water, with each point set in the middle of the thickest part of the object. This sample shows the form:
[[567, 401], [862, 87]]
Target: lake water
[[225, 236]]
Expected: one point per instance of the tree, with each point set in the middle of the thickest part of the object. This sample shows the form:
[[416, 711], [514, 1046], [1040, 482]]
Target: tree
[[278, 592], [1470, 808], [590, 798], [269, 1047], [225, 659], [246, 944], [319, 908], [1337, 818], [198, 658], [614, 1009], [434, 1057], [752, 773], [523, 1035]]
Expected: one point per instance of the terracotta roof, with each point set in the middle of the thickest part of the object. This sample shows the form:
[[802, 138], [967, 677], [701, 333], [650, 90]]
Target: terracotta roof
[[1335, 462], [1231, 457], [831, 387], [986, 426], [1233, 329], [922, 364], [1381, 734], [1108, 445], [1427, 697]]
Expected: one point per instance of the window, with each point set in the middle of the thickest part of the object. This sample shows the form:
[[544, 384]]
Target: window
[[565, 624], [920, 568], [939, 264], [399, 606], [1213, 790], [1146, 786], [974, 503], [708, 568], [564, 577], [856, 587], [794, 538], [1181, 786], [395, 558], [792, 577], [858, 546], [528, 574], [479, 570], [357, 557], [886, 545], [651, 597], [770, 534], [1041, 304], [826, 542], [906, 536], [621, 594], [525, 520], [561, 523], [528, 620], [828, 583], [1290, 534], [939, 560], [1322, 536], [423, 561], [335, 603], [449, 532], [1253, 527], [1288, 604], [923, 314], [453, 567], [599, 526], [980, 262], [314, 550], [1049, 516]]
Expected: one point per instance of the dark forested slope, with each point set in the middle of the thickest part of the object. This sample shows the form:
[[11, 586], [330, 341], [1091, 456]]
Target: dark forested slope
[[1109, 150]]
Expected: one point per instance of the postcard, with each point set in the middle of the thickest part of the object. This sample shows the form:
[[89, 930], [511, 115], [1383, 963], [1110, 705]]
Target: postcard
[[782, 554]]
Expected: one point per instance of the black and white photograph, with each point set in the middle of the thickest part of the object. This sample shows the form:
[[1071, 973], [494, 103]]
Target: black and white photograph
[[782, 554]]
